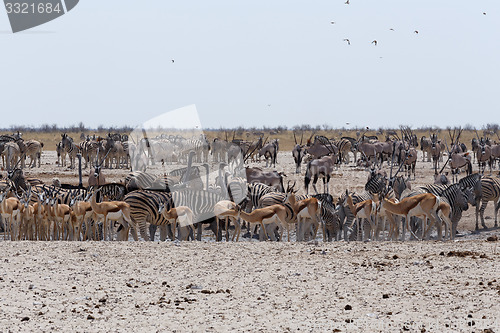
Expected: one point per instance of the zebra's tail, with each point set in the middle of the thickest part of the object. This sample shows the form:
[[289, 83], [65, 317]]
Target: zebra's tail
[[469, 168], [307, 178]]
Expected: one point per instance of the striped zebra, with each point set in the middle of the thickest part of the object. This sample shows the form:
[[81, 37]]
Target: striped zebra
[[329, 217], [200, 146], [71, 148], [139, 180], [278, 198], [490, 191], [345, 147], [144, 209], [255, 191], [346, 216], [145, 204], [21, 182], [202, 204], [456, 196], [34, 151], [61, 154], [377, 183]]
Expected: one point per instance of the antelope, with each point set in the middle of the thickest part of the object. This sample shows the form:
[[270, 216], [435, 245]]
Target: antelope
[[83, 214], [112, 211], [41, 221], [460, 160], [425, 204], [220, 210], [27, 214], [270, 214], [61, 217], [320, 167], [363, 210], [10, 209], [444, 210], [383, 215], [410, 161], [309, 208], [183, 214]]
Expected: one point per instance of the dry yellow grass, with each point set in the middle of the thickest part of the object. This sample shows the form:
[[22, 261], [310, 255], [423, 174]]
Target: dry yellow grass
[[50, 139]]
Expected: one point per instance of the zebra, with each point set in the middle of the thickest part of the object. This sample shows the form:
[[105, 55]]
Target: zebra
[[278, 198], [376, 183], [457, 196], [139, 180], [200, 146], [490, 191], [71, 148], [202, 204], [345, 215], [144, 208], [34, 151], [329, 217], [345, 147], [61, 154], [21, 182]]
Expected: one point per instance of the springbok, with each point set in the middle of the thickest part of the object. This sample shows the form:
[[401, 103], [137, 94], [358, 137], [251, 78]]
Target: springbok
[[83, 215], [183, 214], [10, 208], [220, 210], [309, 209], [270, 214], [363, 210], [425, 204], [118, 211]]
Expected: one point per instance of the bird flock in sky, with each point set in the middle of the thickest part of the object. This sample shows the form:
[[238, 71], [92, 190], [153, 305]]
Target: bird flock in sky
[[374, 42]]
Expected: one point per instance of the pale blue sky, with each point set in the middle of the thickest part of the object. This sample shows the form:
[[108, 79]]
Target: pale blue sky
[[109, 62]]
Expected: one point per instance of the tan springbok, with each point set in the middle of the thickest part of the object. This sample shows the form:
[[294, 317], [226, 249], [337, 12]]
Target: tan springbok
[[182, 214], [382, 217], [118, 211], [363, 210], [309, 209], [61, 216], [41, 222], [220, 209], [270, 214], [10, 208], [426, 205], [83, 215], [444, 211], [27, 214]]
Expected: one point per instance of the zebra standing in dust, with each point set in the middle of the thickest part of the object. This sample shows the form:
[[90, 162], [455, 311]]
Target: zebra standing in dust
[[329, 217], [144, 208], [202, 204], [71, 149], [490, 191], [456, 196], [61, 154], [34, 151]]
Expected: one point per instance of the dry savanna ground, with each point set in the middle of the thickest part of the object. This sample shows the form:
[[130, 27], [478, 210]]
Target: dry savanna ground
[[253, 286]]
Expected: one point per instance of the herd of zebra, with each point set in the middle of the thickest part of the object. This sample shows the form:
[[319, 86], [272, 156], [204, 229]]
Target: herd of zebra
[[241, 195]]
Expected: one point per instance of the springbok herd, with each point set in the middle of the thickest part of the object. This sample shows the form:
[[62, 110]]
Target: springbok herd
[[186, 197]]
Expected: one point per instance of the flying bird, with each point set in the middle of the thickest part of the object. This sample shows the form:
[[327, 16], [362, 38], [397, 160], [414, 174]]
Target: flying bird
[[173, 60], [332, 22], [374, 42], [484, 13], [348, 41], [416, 31], [391, 29], [347, 2]]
